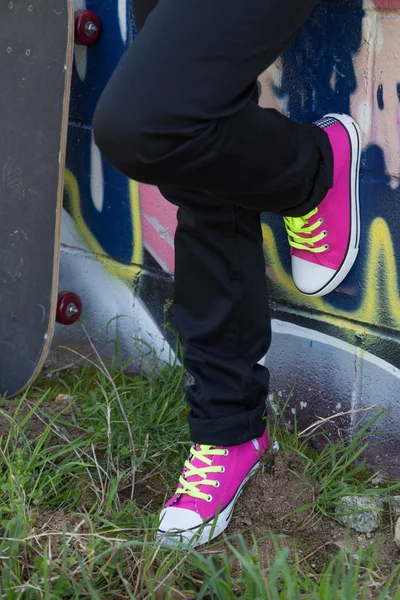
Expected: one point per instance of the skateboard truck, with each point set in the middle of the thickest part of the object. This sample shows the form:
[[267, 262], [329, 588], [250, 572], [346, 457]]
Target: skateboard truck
[[87, 27], [69, 308]]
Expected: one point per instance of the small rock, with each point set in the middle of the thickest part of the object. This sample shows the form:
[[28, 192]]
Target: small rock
[[377, 479], [397, 534], [364, 520], [62, 398], [394, 504]]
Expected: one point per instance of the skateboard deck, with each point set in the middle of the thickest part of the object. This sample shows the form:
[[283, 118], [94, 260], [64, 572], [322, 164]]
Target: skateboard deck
[[36, 53]]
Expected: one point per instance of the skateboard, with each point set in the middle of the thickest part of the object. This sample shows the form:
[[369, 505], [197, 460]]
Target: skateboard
[[36, 54]]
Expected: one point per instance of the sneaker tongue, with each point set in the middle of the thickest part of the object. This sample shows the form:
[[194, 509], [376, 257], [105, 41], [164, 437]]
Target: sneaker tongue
[[326, 122]]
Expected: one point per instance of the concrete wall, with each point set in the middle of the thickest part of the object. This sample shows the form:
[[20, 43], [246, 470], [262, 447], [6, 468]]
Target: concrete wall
[[331, 354]]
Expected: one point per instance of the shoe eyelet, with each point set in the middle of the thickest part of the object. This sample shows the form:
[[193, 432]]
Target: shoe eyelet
[[209, 498], [222, 470], [325, 233], [217, 484], [321, 220], [226, 452], [327, 247]]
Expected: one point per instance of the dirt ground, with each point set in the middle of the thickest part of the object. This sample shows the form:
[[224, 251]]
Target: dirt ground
[[272, 499], [61, 405], [268, 505]]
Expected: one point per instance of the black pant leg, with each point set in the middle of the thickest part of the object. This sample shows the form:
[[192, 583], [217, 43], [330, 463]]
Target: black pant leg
[[221, 310], [141, 10]]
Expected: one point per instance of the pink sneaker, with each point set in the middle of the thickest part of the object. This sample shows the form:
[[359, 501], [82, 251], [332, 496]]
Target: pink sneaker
[[324, 243], [212, 480]]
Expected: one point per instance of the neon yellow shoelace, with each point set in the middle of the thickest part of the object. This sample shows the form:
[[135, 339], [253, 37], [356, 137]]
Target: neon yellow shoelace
[[203, 454], [296, 227]]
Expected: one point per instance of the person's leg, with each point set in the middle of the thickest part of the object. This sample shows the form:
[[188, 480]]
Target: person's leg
[[222, 314], [221, 308], [141, 10], [178, 111]]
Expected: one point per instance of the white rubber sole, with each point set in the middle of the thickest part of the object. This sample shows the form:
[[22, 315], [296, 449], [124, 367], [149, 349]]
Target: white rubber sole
[[206, 532], [354, 242]]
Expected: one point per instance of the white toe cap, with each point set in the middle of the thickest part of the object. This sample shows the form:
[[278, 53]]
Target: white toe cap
[[178, 519], [309, 277]]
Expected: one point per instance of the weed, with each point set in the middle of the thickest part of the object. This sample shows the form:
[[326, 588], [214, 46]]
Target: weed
[[88, 457]]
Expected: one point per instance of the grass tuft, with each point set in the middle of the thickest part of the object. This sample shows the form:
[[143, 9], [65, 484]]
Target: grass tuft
[[87, 458]]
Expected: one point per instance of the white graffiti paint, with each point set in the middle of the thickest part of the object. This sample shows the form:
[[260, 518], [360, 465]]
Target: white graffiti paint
[[96, 176], [80, 52], [109, 307], [123, 19], [80, 55], [315, 336]]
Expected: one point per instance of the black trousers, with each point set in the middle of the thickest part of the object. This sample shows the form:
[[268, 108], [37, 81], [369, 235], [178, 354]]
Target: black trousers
[[181, 112]]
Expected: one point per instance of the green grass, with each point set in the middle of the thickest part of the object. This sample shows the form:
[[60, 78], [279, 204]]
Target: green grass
[[77, 520]]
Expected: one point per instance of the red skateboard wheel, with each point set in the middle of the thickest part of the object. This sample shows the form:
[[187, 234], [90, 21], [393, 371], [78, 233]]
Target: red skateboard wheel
[[87, 27], [69, 308]]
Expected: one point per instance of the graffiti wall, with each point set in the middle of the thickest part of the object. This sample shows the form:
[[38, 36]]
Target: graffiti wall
[[331, 355]]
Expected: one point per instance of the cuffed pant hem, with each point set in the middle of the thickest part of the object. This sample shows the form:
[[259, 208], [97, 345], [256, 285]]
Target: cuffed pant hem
[[229, 431]]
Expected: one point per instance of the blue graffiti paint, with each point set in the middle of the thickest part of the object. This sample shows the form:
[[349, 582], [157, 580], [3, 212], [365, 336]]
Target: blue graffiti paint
[[112, 226], [379, 97], [318, 69], [319, 77]]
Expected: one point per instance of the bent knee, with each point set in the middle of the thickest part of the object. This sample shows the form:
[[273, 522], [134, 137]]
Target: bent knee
[[118, 137], [134, 141]]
